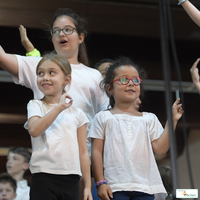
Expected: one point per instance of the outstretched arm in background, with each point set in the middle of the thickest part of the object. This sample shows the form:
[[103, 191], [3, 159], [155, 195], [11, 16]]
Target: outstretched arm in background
[[24, 39], [161, 145], [192, 11], [8, 62], [195, 74]]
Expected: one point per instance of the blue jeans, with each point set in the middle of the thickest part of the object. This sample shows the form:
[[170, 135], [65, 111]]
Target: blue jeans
[[94, 193], [126, 195]]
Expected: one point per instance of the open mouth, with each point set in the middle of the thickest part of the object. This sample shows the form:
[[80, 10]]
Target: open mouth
[[63, 42]]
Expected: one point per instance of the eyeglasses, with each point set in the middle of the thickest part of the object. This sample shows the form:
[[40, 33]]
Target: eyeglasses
[[124, 80], [67, 30]]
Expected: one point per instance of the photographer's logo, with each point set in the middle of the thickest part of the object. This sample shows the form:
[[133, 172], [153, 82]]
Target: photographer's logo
[[186, 193]]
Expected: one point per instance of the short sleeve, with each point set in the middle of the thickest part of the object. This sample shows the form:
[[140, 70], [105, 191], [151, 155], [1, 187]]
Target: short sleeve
[[82, 118], [33, 109], [155, 127], [27, 74], [97, 128]]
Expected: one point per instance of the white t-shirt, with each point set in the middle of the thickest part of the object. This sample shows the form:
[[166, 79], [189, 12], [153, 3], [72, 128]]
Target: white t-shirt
[[128, 158], [56, 151], [84, 89], [22, 190]]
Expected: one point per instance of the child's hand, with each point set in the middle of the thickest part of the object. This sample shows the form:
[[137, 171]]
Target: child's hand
[[62, 101], [104, 192], [195, 72], [87, 195], [177, 110]]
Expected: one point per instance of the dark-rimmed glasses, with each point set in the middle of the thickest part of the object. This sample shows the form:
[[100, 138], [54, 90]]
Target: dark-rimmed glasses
[[124, 80], [67, 30]]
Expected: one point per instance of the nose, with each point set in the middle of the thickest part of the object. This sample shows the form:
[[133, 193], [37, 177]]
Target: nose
[[130, 82], [46, 76], [61, 33]]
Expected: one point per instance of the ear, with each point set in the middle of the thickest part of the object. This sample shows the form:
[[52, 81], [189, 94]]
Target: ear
[[67, 79], [109, 89], [81, 38], [15, 195], [25, 166]]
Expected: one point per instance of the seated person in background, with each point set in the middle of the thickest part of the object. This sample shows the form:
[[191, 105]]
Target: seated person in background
[[8, 187], [17, 163], [103, 65]]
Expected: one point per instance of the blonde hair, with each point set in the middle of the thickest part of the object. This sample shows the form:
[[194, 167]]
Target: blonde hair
[[59, 60]]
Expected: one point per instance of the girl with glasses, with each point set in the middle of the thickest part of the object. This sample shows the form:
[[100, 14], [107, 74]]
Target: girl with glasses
[[124, 140], [67, 33]]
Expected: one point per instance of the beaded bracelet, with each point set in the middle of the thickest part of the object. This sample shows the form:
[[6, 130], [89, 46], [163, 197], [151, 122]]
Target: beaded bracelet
[[180, 2], [100, 183]]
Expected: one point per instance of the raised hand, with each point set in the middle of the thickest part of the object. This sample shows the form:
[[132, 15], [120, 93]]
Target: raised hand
[[63, 101], [177, 110], [195, 71]]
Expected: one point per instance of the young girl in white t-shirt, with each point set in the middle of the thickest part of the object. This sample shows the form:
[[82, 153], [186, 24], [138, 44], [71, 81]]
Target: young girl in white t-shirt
[[58, 135], [124, 140]]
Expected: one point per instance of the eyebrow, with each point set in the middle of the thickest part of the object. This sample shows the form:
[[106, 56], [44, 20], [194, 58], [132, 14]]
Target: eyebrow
[[63, 27]]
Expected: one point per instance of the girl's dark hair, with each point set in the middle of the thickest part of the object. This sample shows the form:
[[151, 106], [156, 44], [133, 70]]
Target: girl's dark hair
[[79, 25], [104, 60], [110, 75]]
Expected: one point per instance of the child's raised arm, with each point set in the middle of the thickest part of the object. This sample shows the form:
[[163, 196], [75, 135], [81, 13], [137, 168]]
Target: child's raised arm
[[195, 74], [192, 11], [161, 145], [8, 62], [84, 162], [38, 125], [103, 191]]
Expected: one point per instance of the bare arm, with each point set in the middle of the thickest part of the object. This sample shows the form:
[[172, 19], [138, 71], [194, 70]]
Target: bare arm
[[103, 191], [8, 62], [85, 162], [25, 40], [161, 145], [192, 11], [195, 74], [38, 125]]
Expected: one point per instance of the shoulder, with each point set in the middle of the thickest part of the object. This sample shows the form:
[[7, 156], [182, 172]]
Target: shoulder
[[95, 72], [34, 103], [28, 58], [151, 118], [103, 115]]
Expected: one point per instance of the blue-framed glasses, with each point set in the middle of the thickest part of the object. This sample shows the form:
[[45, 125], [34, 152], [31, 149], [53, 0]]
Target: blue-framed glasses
[[67, 30], [124, 80]]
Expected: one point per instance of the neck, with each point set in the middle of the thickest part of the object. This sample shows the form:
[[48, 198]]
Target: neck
[[125, 107], [51, 99], [18, 177]]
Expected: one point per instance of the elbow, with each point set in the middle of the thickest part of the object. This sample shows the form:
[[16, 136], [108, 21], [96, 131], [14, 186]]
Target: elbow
[[33, 132], [161, 152]]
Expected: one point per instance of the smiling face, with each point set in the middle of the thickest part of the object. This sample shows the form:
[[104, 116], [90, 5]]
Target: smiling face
[[124, 93], [67, 45], [51, 79], [6, 191]]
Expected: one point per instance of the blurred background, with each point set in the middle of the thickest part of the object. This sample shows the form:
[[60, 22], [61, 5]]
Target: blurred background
[[129, 28]]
